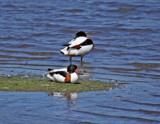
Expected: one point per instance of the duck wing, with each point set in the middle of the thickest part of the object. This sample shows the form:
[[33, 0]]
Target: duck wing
[[77, 41], [81, 42], [56, 70], [87, 42], [62, 73]]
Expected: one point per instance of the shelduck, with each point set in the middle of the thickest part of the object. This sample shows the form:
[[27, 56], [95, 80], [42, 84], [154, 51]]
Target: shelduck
[[65, 75], [79, 46]]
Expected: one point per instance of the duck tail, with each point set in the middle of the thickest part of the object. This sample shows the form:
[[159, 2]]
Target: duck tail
[[50, 77], [64, 51]]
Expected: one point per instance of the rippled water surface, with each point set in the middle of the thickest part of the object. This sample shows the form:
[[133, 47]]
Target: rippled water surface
[[127, 49]]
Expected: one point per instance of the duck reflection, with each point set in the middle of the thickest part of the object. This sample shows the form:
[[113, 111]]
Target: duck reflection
[[68, 96]]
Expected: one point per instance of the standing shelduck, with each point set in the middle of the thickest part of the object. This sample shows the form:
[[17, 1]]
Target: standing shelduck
[[65, 75], [79, 46]]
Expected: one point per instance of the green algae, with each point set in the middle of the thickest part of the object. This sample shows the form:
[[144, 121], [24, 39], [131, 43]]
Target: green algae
[[17, 83]]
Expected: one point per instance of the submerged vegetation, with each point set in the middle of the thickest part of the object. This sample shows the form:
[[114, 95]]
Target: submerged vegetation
[[18, 83]]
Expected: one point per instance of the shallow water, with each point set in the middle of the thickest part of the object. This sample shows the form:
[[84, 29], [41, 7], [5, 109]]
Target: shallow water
[[126, 36]]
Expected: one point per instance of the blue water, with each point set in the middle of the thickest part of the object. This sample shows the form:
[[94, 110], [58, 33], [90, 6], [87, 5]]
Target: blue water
[[126, 36]]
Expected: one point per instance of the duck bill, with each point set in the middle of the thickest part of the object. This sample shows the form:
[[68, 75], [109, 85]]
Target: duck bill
[[77, 71]]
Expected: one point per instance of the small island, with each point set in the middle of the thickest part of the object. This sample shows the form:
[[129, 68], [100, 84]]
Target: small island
[[19, 83]]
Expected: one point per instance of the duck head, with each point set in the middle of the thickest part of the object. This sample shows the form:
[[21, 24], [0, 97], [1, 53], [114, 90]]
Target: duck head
[[80, 33], [72, 68]]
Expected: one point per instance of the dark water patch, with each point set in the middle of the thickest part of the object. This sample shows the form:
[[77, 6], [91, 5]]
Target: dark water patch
[[156, 94], [25, 63], [143, 47], [73, 10], [26, 58], [152, 11], [52, 25], [135, 18], [126, 9], [9, 51], [100, 115], [99, 50], [123, 53], [9, 6], [132, 110], [124, 69], [40, 53], [150, 112], [112, 3], [75, 31], [25, 45], [135, 30], [141, 119], [143, 103], [9, 38], [146, 65]]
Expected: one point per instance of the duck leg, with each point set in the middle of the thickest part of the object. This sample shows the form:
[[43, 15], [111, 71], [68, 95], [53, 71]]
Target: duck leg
[[81, 58], [70, 58]]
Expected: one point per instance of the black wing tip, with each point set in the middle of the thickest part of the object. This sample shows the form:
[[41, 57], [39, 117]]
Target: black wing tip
[[65, 45], [62, 52]]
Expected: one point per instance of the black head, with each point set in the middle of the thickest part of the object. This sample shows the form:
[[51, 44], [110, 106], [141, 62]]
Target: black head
[[71, 68], [80, 33]]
